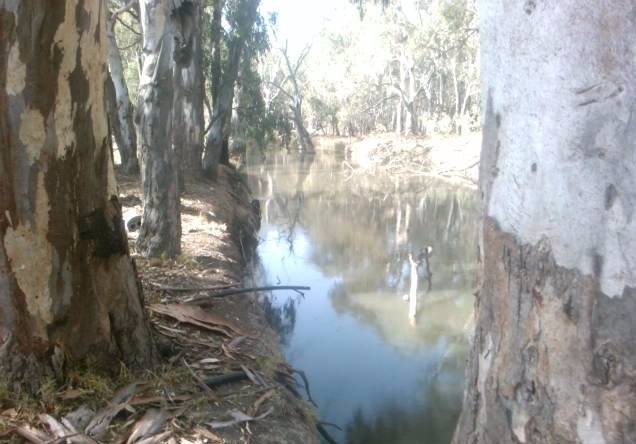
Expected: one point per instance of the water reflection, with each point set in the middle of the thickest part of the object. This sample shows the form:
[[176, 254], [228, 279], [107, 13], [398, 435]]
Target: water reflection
[[349, 238]]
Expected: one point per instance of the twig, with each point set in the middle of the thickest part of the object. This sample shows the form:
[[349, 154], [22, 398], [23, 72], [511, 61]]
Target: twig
[[204, 298], [306, 382], [208, 390], [325, 434], [331, 424], [185, 289]]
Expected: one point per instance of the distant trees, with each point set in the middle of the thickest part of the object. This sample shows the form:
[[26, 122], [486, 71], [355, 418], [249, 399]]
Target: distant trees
[[287, 84], [411, 68]]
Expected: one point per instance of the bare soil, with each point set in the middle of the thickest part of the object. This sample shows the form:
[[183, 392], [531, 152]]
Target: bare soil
[[206, 338]]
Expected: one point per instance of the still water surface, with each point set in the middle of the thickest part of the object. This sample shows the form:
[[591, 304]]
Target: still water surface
[[371, 372]]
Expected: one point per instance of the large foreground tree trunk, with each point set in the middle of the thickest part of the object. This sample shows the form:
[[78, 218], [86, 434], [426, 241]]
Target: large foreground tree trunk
[[68, 287], [554, 352], [187, 109], [123, 114], [161, 223]]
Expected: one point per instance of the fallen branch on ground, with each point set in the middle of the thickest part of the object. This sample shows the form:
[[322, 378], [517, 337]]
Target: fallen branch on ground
[[204, 298]]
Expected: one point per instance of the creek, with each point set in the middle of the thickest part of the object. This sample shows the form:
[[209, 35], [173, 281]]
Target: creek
[[372, 372]]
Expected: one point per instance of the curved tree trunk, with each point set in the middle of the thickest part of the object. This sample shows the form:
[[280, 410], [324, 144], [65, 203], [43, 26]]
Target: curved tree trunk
[[554, 353], [161, 224], [68, 287], [124, 125], [188, 91]]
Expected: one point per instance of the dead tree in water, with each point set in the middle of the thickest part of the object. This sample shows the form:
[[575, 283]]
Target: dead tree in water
[[420, 267], [295, 97]]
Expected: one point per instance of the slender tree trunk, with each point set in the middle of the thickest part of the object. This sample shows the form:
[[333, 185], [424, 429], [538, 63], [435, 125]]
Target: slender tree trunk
[[188, 91], [221, 115], [398, 117], [456, 110], [161, 224], [124, 125], [304, 138], [68, 287], [216, 143], [554, 352], [217, 28]]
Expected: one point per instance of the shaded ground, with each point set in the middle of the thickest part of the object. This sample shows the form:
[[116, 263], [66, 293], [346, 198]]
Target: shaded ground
[[250, 401]]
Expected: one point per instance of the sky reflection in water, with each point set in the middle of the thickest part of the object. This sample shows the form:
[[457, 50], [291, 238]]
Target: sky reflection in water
[[371, 372]]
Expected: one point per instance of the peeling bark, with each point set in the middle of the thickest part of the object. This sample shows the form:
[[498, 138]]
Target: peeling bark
[[554, 353], [160, 232], [68, 288]]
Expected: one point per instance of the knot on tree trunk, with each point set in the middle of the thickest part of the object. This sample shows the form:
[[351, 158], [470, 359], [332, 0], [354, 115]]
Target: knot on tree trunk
[[105, 227]]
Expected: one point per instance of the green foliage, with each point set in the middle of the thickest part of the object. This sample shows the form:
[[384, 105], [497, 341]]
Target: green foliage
[[128, 35], [415, 59]]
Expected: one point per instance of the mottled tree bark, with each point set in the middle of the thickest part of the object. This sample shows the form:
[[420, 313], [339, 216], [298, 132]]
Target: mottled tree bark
[[122, 123], [187, 109], [554, 352], [68, 288], [161, 223]]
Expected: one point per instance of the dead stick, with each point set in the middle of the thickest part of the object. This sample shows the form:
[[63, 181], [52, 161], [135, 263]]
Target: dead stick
[[221, 294], [215, 381], [216, 287]]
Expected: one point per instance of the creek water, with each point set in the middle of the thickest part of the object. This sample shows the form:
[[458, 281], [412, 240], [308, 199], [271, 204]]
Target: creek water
[[381, 378]]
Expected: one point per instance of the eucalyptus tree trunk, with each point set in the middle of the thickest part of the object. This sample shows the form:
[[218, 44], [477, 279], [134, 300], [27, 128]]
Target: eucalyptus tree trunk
[[68, 288], [216, 148], [554, 352], [188, 89], [217, 31], [123, 124], [304, 138], [161, 223]]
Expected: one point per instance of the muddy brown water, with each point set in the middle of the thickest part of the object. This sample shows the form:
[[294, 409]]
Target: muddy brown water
[[373, 373]]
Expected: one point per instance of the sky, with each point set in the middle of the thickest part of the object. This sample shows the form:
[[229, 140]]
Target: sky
[[300, 21]]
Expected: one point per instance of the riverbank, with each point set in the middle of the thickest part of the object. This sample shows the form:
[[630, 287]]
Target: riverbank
[[453, 159], [229, 335], [221, 375]]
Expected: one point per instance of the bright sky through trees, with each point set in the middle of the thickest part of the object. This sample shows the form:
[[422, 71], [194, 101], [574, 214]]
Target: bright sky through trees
[[300, 21]]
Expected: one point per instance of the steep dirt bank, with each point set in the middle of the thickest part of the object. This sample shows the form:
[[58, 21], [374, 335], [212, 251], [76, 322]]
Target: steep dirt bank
[[219, 225], [221, 377]]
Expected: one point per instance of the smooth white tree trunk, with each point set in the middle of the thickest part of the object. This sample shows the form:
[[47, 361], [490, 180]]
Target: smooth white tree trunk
[[554, 352], [161, 223]]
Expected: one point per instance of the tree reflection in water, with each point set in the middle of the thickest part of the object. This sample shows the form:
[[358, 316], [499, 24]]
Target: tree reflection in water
[[282, 318], [382, 379], [396, 424]]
